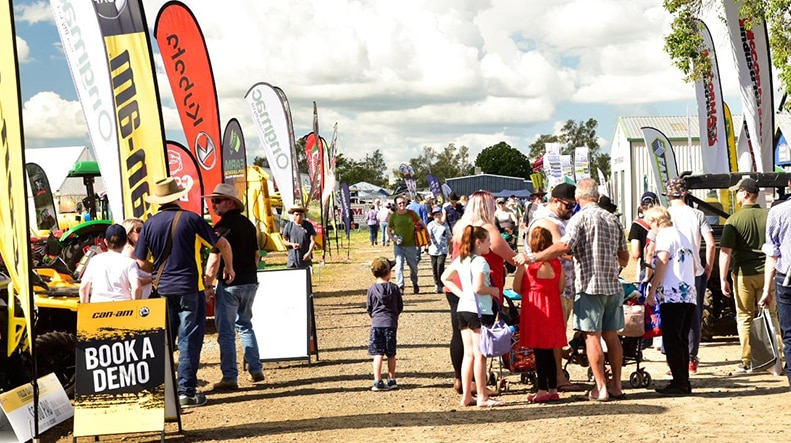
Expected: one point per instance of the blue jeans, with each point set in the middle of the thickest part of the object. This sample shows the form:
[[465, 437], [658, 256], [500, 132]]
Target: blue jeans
[[697, 317], [385, 238], [783, 295], [373, 231], [187, 321], [408, 253], [234, 307]]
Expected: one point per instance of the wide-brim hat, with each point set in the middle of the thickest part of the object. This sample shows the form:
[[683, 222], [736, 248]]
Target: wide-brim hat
[[297, 209], [166, 191], [224, 190]]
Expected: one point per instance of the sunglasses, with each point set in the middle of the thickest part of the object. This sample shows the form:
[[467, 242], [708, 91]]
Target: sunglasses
[[137, 229], [401, 203], [569, 206], [217, 201]]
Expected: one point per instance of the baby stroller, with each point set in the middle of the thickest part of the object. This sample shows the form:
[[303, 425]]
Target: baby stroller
[[519, 360]]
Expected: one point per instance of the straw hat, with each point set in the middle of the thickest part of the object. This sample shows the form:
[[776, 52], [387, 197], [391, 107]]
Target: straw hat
[[224, 190], [166, 191], [297, 209]]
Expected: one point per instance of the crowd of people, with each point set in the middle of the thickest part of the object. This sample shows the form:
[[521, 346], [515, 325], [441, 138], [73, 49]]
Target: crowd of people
[[574, 249]]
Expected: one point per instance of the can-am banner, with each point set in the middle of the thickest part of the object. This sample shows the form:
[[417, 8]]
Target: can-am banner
[[14, 236], [141, 136], [751, 52], [272, 120], [84, 49], [189, 71], [711, 115]]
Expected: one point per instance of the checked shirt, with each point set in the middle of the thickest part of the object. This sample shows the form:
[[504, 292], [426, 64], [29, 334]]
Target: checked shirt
[[595, 236]]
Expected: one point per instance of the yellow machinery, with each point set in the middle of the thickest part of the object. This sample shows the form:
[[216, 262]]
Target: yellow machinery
[[259, 209]]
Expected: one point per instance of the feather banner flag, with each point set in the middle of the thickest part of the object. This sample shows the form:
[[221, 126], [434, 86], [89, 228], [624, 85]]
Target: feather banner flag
[[14, 235], [273, 121], [189, 71], [711, 114], [295, 178], [329, 168], [434, 185], [745, 151], [582, 167], [184, 169], [663, 160], [141, 135], [346, 208], [83, 47], [43, 202], [751, 52], [730, 134], [313, 157], [234, 158]]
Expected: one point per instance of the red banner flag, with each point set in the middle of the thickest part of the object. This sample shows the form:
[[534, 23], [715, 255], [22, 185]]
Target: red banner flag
[[184, 168]]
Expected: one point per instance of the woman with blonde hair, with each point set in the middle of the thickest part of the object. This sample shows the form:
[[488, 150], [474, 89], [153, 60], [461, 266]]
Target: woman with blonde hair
[[133, 226], [479, 211]]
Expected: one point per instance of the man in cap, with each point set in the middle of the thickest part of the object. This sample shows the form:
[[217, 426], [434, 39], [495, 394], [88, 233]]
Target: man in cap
[[743, 235], [692, 224], [299, 236], [554, 216], [536, 200], [111, 276], [170, 238], [453, 210], [234, 301]]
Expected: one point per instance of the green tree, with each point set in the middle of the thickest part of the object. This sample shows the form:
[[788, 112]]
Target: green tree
[[502, 159], [371, 169], [684, 43], [451, 162]]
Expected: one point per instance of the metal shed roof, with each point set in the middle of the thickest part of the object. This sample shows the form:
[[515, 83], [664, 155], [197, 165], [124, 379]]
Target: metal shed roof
[[487, 182], [677, 127]]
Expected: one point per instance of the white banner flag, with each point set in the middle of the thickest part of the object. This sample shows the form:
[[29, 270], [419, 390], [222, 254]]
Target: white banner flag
[[581, 163], [711, 115]]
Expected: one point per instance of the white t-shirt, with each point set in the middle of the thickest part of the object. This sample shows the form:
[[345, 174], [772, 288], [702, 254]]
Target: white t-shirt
[[693, 226], [678, 283], [467, 301], [110, 275]]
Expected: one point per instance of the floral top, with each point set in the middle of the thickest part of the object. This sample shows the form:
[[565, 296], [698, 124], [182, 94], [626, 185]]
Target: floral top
[[678, 283]]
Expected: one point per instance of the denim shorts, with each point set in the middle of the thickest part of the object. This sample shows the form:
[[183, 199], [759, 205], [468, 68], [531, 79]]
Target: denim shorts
[[598, 313], [470, 320], [382, 342]]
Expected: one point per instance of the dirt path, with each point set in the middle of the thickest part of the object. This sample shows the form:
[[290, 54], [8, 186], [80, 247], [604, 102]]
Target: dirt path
[[331, 400]]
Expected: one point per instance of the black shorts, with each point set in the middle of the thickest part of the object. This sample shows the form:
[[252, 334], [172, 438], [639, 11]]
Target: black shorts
[[382, 342], [470, 320]]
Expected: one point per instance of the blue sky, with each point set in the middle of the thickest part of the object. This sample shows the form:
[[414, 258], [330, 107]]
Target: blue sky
[[398, 76]]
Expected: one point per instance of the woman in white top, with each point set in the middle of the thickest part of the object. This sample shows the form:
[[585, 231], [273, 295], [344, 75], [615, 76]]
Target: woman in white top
[[111, 276], [673, 286], [133, 227]]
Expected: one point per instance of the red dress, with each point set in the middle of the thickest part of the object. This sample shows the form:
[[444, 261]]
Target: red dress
[[541, 318]]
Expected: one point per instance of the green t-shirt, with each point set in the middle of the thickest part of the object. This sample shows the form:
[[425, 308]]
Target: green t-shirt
[[745, 232], [403, 225]]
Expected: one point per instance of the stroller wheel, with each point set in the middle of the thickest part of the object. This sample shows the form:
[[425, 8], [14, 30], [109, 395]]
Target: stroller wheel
[[590, 375], [646, 379], [492, 379], [531, 378], [523, 378], [636, 379], [566, 374]]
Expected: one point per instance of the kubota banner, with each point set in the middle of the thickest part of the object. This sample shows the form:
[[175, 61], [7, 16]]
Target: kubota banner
[[711, 115], [14, 236], [141, 136], [84, 49], [663, 160], [751, 52], [234, 158], [184, 168], [189, 71]]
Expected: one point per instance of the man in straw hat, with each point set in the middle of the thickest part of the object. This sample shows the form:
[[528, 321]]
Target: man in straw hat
[[299, 236], [177, 276], [234, 301]]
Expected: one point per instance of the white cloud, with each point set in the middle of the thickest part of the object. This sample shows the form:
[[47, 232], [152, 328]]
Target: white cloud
[[37, 12], [47, 116], [22, 50]]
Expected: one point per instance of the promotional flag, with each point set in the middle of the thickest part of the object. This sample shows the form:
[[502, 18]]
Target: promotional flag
[[83, 47], [184, 169], [663, 161], [141, 136], [434, 186], [553, 167], [320, 145], [730, 134], [581, 163], [329, 167], [751, 52], [46, 215], [234, 158], [745, 152], [566, 166], [295, 177], [346, 208], [711, 115], [14, 236], [272, 120], [408, 173], [313, 157], [188, 67]]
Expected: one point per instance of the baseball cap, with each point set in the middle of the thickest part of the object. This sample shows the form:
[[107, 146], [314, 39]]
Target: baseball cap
[[747, 184], [117, 231], [676, 187], [436, 209], [500, 200], [649, 196], [564, 191]]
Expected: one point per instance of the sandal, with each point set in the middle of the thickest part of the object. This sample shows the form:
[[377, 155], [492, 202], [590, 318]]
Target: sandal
[[491, 404]]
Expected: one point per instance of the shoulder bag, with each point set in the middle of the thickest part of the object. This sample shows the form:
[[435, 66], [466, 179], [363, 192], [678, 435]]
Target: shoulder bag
[[421, 234], [165, 256], [495, 339]]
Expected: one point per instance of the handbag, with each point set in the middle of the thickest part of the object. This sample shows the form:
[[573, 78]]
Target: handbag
[[633, 321], [495, 339], [653, 321], [421, 234], [762, 342]]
